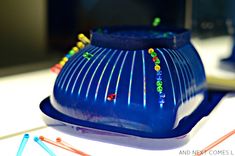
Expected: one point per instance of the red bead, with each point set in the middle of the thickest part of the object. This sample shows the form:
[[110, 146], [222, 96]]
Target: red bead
[[111, 97], [155, 58]]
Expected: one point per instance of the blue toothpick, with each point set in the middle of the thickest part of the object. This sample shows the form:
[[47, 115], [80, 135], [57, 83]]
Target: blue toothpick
[[48, 150], [22, 144]]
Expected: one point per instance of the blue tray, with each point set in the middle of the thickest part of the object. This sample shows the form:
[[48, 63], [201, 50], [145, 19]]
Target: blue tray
[[89, 130]]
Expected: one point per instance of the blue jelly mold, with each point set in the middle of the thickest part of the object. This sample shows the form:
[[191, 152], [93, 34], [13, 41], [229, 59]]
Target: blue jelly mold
[[142, 84]]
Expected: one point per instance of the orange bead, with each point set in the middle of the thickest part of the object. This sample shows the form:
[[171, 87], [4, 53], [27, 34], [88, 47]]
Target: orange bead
[[58, 66], [55, 70]]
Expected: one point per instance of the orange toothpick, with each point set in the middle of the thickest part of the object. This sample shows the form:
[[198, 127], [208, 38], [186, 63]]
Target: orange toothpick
[[68, 148], [212, 145], [59, 140]]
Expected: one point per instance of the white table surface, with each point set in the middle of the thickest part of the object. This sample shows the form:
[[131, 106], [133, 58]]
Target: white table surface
[[19, 114]]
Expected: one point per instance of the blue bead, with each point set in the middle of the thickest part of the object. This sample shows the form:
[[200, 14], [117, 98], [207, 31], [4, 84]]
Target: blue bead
[[162, 95], [68, 56], [159, 77], [161, 101], [159, 72]]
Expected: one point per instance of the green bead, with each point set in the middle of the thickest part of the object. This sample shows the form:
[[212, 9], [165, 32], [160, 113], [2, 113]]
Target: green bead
[[165, 35], [159, 83], [153, 54], [156, 21], [87, 55], [159, 89], [71, 52], [157, 61]]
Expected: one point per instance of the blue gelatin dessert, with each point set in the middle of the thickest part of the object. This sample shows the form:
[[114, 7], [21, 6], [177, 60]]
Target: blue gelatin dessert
[[143, 83]]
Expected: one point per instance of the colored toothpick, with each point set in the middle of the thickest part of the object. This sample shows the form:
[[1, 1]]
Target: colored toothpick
[[47, 149], [212, 145], [60, 141], [22, 144], [64, 146]]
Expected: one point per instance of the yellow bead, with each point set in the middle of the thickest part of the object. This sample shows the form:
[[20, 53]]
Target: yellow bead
[[80, 45], [83, 38], [150, 50], [62, 63], [65, 59], [157, 67], [80, 36], [75, 49]]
